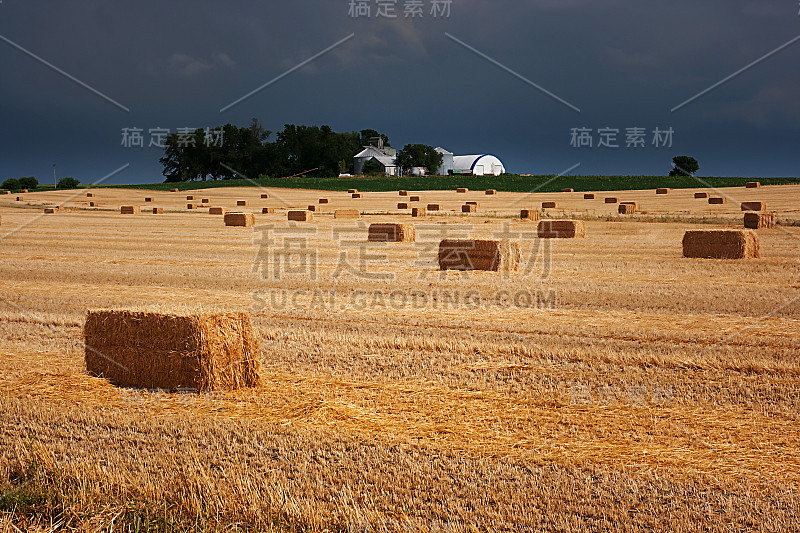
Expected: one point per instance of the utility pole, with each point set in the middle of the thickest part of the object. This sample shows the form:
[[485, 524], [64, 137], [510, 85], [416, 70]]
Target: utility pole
[[54, 177]]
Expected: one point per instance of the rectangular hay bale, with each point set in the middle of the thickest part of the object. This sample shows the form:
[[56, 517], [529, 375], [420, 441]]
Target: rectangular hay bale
[[419, 212], [414, 199], [529, 214], [433, 207], [479, 254], [627, 209], [241, 203], [491, 192], [701, 195], [130, 210], [589, 196], [300, 216], [753, 184], [352, 191], [205, 201], [402, 205], [347, 213], [721, 244], [50, 211], [89, 195], [754, 220], [662, 191], [324, 201], [462, 190], [561, 229], [312, 208], [267, 210], [392, 233], [357, 195], [265, 196], [403, 193], [190, 198], [567, 190], [549, 205], [194, 351], [158, 210], [242, 220], [611, 200], [92, 204], [469, 208], [174, 190], [717, 201], [217, 210], [148, 200], [754, 206]]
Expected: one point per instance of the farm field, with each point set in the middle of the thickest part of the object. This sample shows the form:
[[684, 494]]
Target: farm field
[[610, 384]]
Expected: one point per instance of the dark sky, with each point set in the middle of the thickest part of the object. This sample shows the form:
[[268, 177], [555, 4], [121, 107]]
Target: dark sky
[[624, 64]]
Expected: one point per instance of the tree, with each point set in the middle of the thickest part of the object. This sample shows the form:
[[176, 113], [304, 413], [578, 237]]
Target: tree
[[28, 182], [68, 183], [372, 167], [368, 134], [12, 184], [419, 155], [684, 166]]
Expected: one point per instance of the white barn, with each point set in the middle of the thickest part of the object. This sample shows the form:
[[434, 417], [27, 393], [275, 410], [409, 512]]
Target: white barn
[[478, 165]]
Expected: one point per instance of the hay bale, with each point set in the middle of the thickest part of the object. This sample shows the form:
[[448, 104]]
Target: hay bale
[[19, 198], [721, 244], [50, 211], [589, 196], [701, 195], [529, 214], [561, 229], [549, 205], [634, 204], [191, 206], [462, 190], [205, 201], [753, 184], [419, 212], [312, 208], [759, 220], [403, 193], [241, 203], [324, 201], [241, 220], [567, 190], [476, 204], [402, 205], [174, 190], [611, 200], [434, 207], [154, 350], [662, 191], [754, 206], [414, 199], [190, 197], [469, 208], [148, 200], [347, 213], [92, 204], [491, 192], [24, 191], [265, 196], [158, 210], [352, 191], [267, 210], [89, 195], [717, 201], [479, 254], [392, 233], [130, 210], [217, 210], [357, 195], [627, 209], [301, 216]]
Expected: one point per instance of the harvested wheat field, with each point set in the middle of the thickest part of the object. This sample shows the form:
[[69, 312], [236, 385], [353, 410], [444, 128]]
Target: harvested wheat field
[[608, 383]]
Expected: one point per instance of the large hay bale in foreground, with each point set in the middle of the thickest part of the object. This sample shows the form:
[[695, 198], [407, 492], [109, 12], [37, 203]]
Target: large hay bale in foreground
[[662, 191], [241, 220], [718, 201], [152, 350], [627, 209], [392, 233], [754, 206], [759, 220], [721, 244], [301, 216], [561, 229], [549, 205], [529, 214], [130, 210], [479, 254], [347, 213], [701, 195], [753, 184], [217, 210], [419, 212]]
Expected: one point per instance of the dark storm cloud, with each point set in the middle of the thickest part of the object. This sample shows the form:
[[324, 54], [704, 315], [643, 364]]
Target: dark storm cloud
[[625, 64]]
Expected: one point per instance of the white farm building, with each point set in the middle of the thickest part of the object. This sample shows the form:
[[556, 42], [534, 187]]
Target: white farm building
[[478, 165]]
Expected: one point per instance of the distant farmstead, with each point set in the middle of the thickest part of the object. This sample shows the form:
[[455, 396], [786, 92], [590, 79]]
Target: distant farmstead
[[386, 157]]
